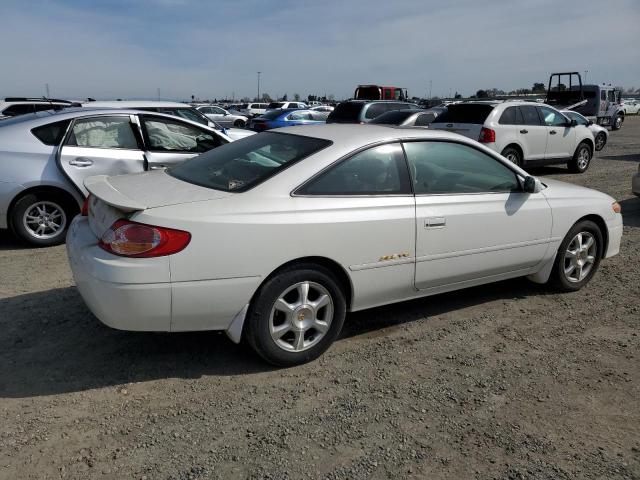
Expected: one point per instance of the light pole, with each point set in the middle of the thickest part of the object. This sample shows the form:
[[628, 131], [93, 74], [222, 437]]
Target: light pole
[[585, 75], [430, 83], [259, 85]]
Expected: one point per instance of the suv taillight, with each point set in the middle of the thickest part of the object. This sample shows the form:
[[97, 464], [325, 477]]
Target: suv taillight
[[487, 135], [132, 239]]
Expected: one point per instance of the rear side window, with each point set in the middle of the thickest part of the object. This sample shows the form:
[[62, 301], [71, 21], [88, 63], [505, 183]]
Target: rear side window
[[347, 111], [103, 132], [392, 118], [530, 115], [509, 116], [375, 110], [377, 171], [424, 119], [465, 113], [52, 133]]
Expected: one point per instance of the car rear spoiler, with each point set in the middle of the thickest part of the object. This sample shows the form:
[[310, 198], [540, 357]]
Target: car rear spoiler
[[101, 188]]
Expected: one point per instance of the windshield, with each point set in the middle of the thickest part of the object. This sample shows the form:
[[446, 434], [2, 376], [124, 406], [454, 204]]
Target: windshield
[[239, 166]]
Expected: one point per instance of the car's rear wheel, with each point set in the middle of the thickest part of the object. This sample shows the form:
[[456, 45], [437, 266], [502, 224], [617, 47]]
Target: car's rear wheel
[[296, 315], [578, 257], [42, 220], [239, 124], [617, 123], [513, 155], [581, 158], [601, 141]]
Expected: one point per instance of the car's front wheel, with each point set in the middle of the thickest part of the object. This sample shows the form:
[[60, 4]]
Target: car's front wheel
[[296, 315], [239, 124], [617, 123], [578, 257], [581, 158], [42, 220], [601, 141]]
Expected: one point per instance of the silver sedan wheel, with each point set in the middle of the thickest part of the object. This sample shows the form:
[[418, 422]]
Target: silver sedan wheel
[[301, 316], [580, 257], [44, 220], [584, 157]]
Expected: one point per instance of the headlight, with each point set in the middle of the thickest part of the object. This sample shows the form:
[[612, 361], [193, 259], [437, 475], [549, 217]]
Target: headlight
[[616, 207]]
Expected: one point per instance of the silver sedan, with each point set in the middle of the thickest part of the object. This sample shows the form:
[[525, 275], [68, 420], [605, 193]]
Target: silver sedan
[[223, 117]]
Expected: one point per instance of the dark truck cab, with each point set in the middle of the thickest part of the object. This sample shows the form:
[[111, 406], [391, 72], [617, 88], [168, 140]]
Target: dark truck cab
[[600, 103], [377, 92]]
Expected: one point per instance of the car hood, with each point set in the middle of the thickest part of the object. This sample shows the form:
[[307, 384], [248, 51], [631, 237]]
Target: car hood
[[140, 191], [558, 189]]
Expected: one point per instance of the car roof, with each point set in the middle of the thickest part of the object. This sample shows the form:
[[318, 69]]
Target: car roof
[[136, 104], [366, 134]]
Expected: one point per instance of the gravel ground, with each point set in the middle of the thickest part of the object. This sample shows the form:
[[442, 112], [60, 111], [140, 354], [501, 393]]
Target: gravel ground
[[506, 381]]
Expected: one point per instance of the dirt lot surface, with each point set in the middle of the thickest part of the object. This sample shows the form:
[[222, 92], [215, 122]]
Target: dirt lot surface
[[507, 381]]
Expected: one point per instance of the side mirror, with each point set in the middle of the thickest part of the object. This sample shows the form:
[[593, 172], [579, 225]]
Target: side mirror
[[590, 123], [532, 185]]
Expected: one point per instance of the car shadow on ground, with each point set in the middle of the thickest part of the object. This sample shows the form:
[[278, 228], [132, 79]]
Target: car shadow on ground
[[630, 157], [9, 242], [50, 343]]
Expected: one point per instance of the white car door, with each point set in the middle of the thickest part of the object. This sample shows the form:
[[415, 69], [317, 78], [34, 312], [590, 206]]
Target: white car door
[[473, 221], [561, 140], [364, 205], [100, 145], [171, 141], [532, 134]]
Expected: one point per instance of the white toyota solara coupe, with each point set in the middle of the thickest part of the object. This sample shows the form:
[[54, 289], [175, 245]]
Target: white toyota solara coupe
[[275, 237]]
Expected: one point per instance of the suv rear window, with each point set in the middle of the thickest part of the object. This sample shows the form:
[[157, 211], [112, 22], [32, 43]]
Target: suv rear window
[[239, 166], [346, 112], [465, 113], [52, 133]]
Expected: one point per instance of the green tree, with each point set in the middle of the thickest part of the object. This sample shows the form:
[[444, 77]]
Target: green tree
[[538, 88]]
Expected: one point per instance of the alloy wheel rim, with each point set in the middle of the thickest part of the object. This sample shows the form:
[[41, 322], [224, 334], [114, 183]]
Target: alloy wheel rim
[[583, 158], [44, 220], [301, 316], [513, 158], [580, 257], [599, 142]]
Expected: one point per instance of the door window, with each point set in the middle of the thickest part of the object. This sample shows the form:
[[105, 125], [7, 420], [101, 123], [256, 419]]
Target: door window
[[530, 115], [611, 96], [552, 118], [164, 135], [103, 132], [444, 167], [377, 171]]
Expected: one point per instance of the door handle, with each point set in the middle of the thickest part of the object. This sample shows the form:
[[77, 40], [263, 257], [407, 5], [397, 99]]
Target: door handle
[[81, 162], [524, 131], [433, 222], [552, 132]]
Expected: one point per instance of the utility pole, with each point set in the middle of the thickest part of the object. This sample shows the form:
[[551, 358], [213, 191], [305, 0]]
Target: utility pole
[[259, 85], [46, 86], [585, 75], [158, 93], [430, 84]]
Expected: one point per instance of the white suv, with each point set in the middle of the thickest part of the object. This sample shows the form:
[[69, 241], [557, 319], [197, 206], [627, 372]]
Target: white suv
[[526, 133], [285, 105]]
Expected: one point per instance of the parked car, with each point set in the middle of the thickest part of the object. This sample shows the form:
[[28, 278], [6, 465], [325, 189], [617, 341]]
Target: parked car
[[14, 106], [45, 158], [526, 133], [253, 109], [347, 217], [631, 106], [408, 118], [222, 116], [286, 118], [285, 105], [635, 183], [363, 111], [323, 108], [600, 133], [176, 109]]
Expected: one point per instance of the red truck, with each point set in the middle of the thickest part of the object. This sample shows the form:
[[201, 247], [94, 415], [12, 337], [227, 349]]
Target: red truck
[[377, 92]]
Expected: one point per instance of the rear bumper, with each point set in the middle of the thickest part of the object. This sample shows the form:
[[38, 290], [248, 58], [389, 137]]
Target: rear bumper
[[121, 292], [615, 236]]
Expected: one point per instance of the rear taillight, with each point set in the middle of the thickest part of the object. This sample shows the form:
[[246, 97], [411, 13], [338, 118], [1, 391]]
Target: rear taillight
[[487, 135], [85, 207], [132, 239]]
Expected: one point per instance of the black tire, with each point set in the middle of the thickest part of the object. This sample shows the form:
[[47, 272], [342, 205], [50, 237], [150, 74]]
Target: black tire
[[257, 325], [581, 158], [239, 124], [513, 155], [617, 123], [27, 203], [601, 141], [559, 279]]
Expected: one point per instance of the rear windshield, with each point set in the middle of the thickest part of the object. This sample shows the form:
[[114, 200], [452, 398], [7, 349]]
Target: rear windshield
[[465, 113], [239, 166], [347, 111], [393, 118], [275, 105]]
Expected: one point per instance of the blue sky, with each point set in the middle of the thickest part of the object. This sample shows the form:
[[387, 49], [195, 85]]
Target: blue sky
[[213, 48]]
